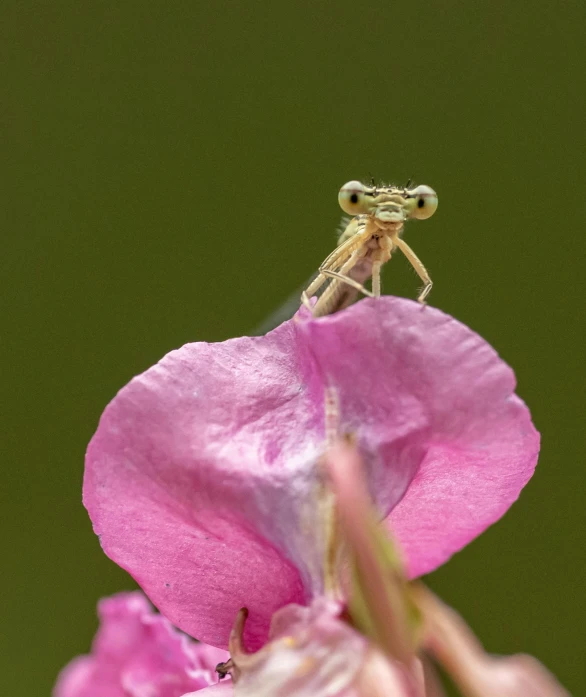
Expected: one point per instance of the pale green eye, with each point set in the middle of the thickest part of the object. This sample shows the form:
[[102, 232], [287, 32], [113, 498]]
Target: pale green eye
[[425, 204], [351, 198]]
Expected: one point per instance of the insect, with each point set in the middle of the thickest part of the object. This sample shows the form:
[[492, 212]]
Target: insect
[[368, 242], [223, 669]]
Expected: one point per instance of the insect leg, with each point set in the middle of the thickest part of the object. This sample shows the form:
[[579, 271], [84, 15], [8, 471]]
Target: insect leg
[[380, 257], [331, 262], [418, 266], [345, 256], [331, 298], [345, 248], [312, 289], [349, 281], [376, 266]]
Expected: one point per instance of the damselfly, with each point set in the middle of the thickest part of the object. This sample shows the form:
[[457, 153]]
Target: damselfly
[[368, 241]]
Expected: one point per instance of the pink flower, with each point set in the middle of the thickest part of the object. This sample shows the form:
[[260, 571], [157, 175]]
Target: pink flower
[[138, 653], [317, 652], [203, 479]]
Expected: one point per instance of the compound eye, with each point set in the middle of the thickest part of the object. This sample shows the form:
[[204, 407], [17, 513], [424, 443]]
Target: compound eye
[[425, 202], [351, 198]]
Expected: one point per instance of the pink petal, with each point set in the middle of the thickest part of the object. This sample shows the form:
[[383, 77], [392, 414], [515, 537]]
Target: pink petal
[[137, 653], [202, 480], [312, 653], [199, 468], [436, 402]]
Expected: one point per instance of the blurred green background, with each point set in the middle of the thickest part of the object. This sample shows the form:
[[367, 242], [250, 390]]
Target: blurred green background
[[171, 174]]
